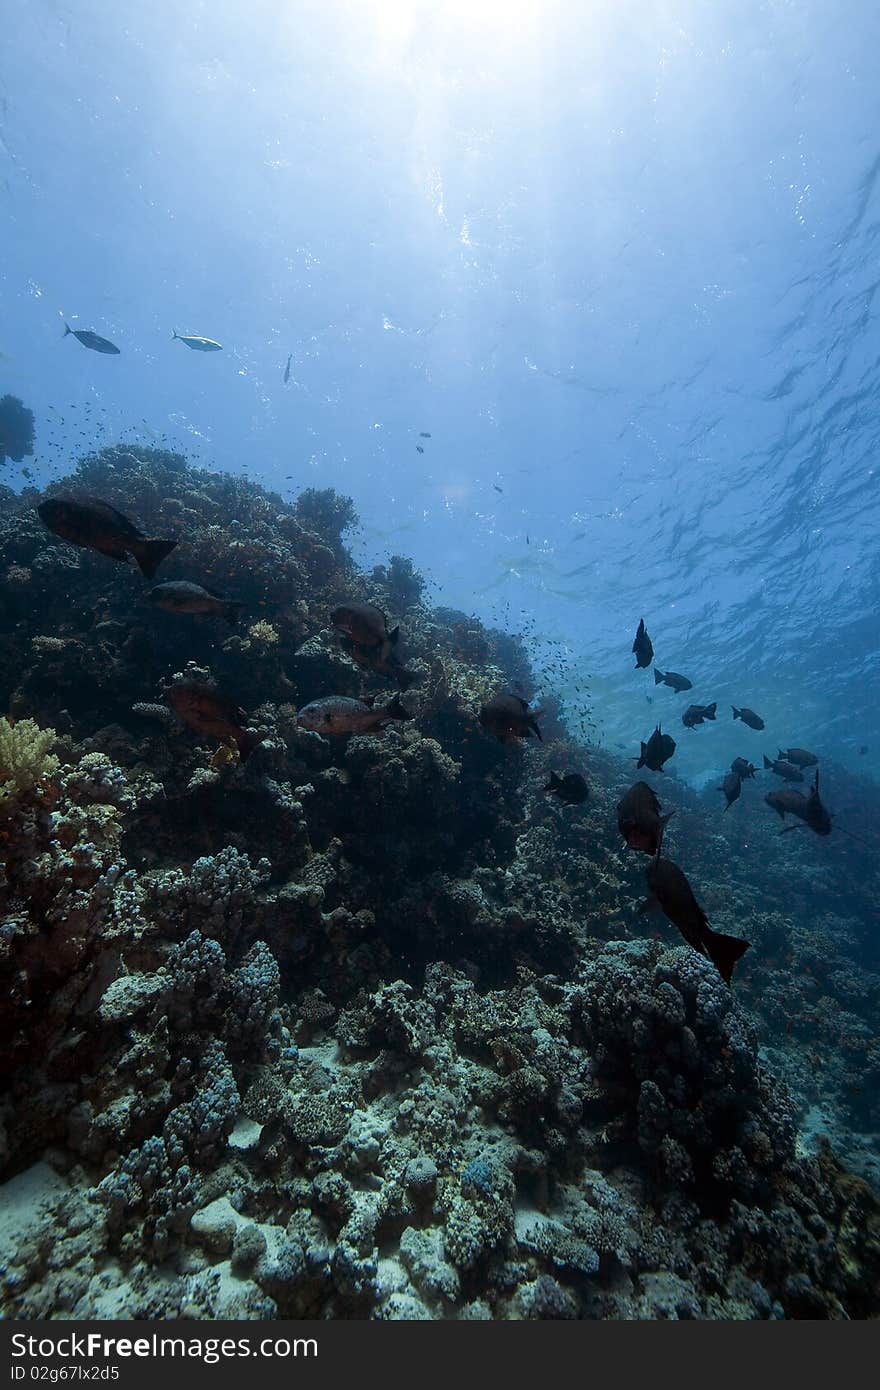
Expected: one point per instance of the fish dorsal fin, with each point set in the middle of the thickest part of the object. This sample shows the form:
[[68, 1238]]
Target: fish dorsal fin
[[394, 634]]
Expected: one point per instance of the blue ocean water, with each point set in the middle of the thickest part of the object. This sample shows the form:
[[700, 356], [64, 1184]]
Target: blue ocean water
[[619, 261]]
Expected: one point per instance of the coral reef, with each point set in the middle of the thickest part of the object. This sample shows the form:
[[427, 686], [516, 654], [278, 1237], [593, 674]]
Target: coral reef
[[372, 1028]]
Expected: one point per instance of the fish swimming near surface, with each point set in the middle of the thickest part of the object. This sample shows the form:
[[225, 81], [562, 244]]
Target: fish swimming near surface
[[798, 756], [180, 596], [863, 750], [209, 712], [695, 714], [810, 809], [731, 786], [743, 767], [643, 646], [419, 449], [748, 716], [639, 820], [572, 789], [287, 369], [670, 892], [673, 679], [89, 522], [423, 434], [198, 344], [91, 340], [658, 750], [508, 717], [341, 715], [787, 771]]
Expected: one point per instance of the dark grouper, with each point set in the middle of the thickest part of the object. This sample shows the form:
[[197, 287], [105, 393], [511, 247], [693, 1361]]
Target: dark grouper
[[673, 895], [89, 522], [339, 716], [208, 712], [639, 820]]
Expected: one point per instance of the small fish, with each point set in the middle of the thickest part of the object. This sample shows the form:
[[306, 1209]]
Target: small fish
[[639, 820], [509, 718], [643, 646], [89, 522], [658, 750], [208, 712], [672, 678], [571, 789], [731, 786], [748, 716], [787, 771], [423, 434], [671, 893], [180, 596], [695, 714], [863, 750], [743, 767], [287, 369], [808, 809], [199, 344], [798, 756], [497, 488], [419, 449], [91, 340], [339, 715]]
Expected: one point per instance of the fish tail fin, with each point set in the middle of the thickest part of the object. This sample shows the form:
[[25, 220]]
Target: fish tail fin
[[394, 634], [768, 762], [395, 710], [737, 713], [174, 334], [232, 611], [710, 710], [150, 554], [664, 821], [533, 725], [555, 781], [724, 952], [640, 761], [658, 675], [67, 329], [247, 741]]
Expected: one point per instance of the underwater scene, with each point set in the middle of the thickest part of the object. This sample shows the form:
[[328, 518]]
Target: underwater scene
[[439, 660]]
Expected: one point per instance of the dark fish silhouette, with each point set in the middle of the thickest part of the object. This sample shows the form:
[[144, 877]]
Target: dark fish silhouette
[[658, 750], [572, 788], [208, 712], [287, 369], [673, 895], [339, 715], [731, 786], [89, 522], [695, 714], [748, 716], [808, 809], [798, 756], [497, 488], [508, 717], [180, 596], [423, 434], [419, 449], [673, 679], [787, 771], [91, 340], [642, 646], [639, 820], [743, 767], [863, 750], [365, 637]]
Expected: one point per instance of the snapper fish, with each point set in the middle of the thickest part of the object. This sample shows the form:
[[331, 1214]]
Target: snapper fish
[[748, 716], [639, 820], [91, 340], [340, 715], [731, 786], [798, 756], [365, 637], [787, 771], [695, 714], [180, 596], [89, 522], [643, 646], [670, 893], [673, 679], [209, 712], [810, 810], [743, 767], [658, 750], [508, 717], [571, 789], [198, 344]]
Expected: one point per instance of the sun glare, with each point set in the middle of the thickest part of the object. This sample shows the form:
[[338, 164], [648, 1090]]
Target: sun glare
[[399, 20]]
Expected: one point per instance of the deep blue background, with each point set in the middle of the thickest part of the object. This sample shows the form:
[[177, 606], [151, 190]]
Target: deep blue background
[[620, 259]]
